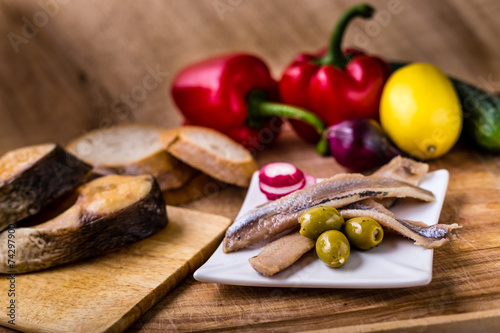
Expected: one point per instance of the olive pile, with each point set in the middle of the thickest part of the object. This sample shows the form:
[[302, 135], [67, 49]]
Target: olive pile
[[334, 236]]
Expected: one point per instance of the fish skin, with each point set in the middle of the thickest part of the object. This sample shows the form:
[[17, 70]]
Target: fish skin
[[274, 217], [48, 178], [404, 169], [78, 233], [430, 237]]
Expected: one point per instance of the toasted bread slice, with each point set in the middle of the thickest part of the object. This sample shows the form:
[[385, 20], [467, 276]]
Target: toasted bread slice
[[198, 186], [131, 149], [211, 152]]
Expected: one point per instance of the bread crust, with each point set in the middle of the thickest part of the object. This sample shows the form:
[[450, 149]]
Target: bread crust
[[169, 171], [200, 185], [226, 169]]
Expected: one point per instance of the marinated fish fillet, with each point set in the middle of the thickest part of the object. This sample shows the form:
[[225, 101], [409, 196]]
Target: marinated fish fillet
[[403, 169], [430, 237], [281, 253], [412, 172], [274, 217]]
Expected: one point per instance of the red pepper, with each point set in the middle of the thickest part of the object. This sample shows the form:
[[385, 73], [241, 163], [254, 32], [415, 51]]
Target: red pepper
[[336, 85], [233, 94]]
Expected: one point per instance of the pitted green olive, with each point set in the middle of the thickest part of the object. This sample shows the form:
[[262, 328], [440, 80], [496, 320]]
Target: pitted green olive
[[317, 220], [364, 232], [333, 248]]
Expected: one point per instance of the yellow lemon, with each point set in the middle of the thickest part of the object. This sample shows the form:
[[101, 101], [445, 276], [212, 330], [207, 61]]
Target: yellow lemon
[[420, 111]]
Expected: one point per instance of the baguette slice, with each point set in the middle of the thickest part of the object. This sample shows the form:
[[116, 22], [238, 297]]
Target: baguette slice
[[199, 186], [211, 152], [33, 177], [110, 212], [131, 149]]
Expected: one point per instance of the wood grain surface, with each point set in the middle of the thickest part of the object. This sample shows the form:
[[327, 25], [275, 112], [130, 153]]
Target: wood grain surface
[[463, 294], [108, 293], [83, 67]]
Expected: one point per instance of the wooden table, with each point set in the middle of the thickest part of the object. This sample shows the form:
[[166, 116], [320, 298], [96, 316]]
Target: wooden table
[[463, 294], [65, 75]]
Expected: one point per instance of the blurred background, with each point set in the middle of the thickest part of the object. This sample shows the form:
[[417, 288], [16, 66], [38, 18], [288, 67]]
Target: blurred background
[[71, 66]]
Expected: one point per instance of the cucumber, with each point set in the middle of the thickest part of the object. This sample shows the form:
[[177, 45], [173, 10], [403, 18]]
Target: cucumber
[[481, 113]]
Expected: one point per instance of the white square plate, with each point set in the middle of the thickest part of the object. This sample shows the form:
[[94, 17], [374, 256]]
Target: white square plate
[[396, 263]]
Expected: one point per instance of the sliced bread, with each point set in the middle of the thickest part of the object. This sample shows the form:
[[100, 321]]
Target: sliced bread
[[211, 152], [131, 149], [200, 185]]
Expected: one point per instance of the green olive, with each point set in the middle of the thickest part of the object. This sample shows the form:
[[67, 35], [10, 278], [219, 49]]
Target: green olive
[[333, 248], [317, 220], [364, 232]]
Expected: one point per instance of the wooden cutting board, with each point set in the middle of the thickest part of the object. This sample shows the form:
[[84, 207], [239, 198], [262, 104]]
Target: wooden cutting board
[[108, 293]]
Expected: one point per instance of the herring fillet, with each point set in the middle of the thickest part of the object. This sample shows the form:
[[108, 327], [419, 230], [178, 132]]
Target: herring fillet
[[284, 252], [430, 237], [404, 169], [274, 217], [281, 253], [412, 172]]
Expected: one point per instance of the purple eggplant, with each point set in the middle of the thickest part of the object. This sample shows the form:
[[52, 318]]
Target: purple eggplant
[[360, 144]]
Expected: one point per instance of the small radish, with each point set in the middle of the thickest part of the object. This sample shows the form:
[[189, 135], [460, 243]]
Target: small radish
[[279, 179]]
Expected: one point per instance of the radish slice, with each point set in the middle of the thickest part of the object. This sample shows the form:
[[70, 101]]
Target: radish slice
[[280, 174], [273, 193], [279, 179]]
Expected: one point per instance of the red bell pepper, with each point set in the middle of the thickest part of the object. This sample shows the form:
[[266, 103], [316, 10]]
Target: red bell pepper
[[336, 85], [234, 94]]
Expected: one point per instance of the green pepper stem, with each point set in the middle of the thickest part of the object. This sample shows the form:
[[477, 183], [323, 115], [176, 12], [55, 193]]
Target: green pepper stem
[[334, 55], [322, 147], [290, 112], [260, 109]]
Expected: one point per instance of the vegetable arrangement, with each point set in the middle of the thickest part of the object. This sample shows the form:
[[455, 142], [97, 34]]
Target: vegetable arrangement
[[336, 86], [234, 94], [421, 111], [481, 113]]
